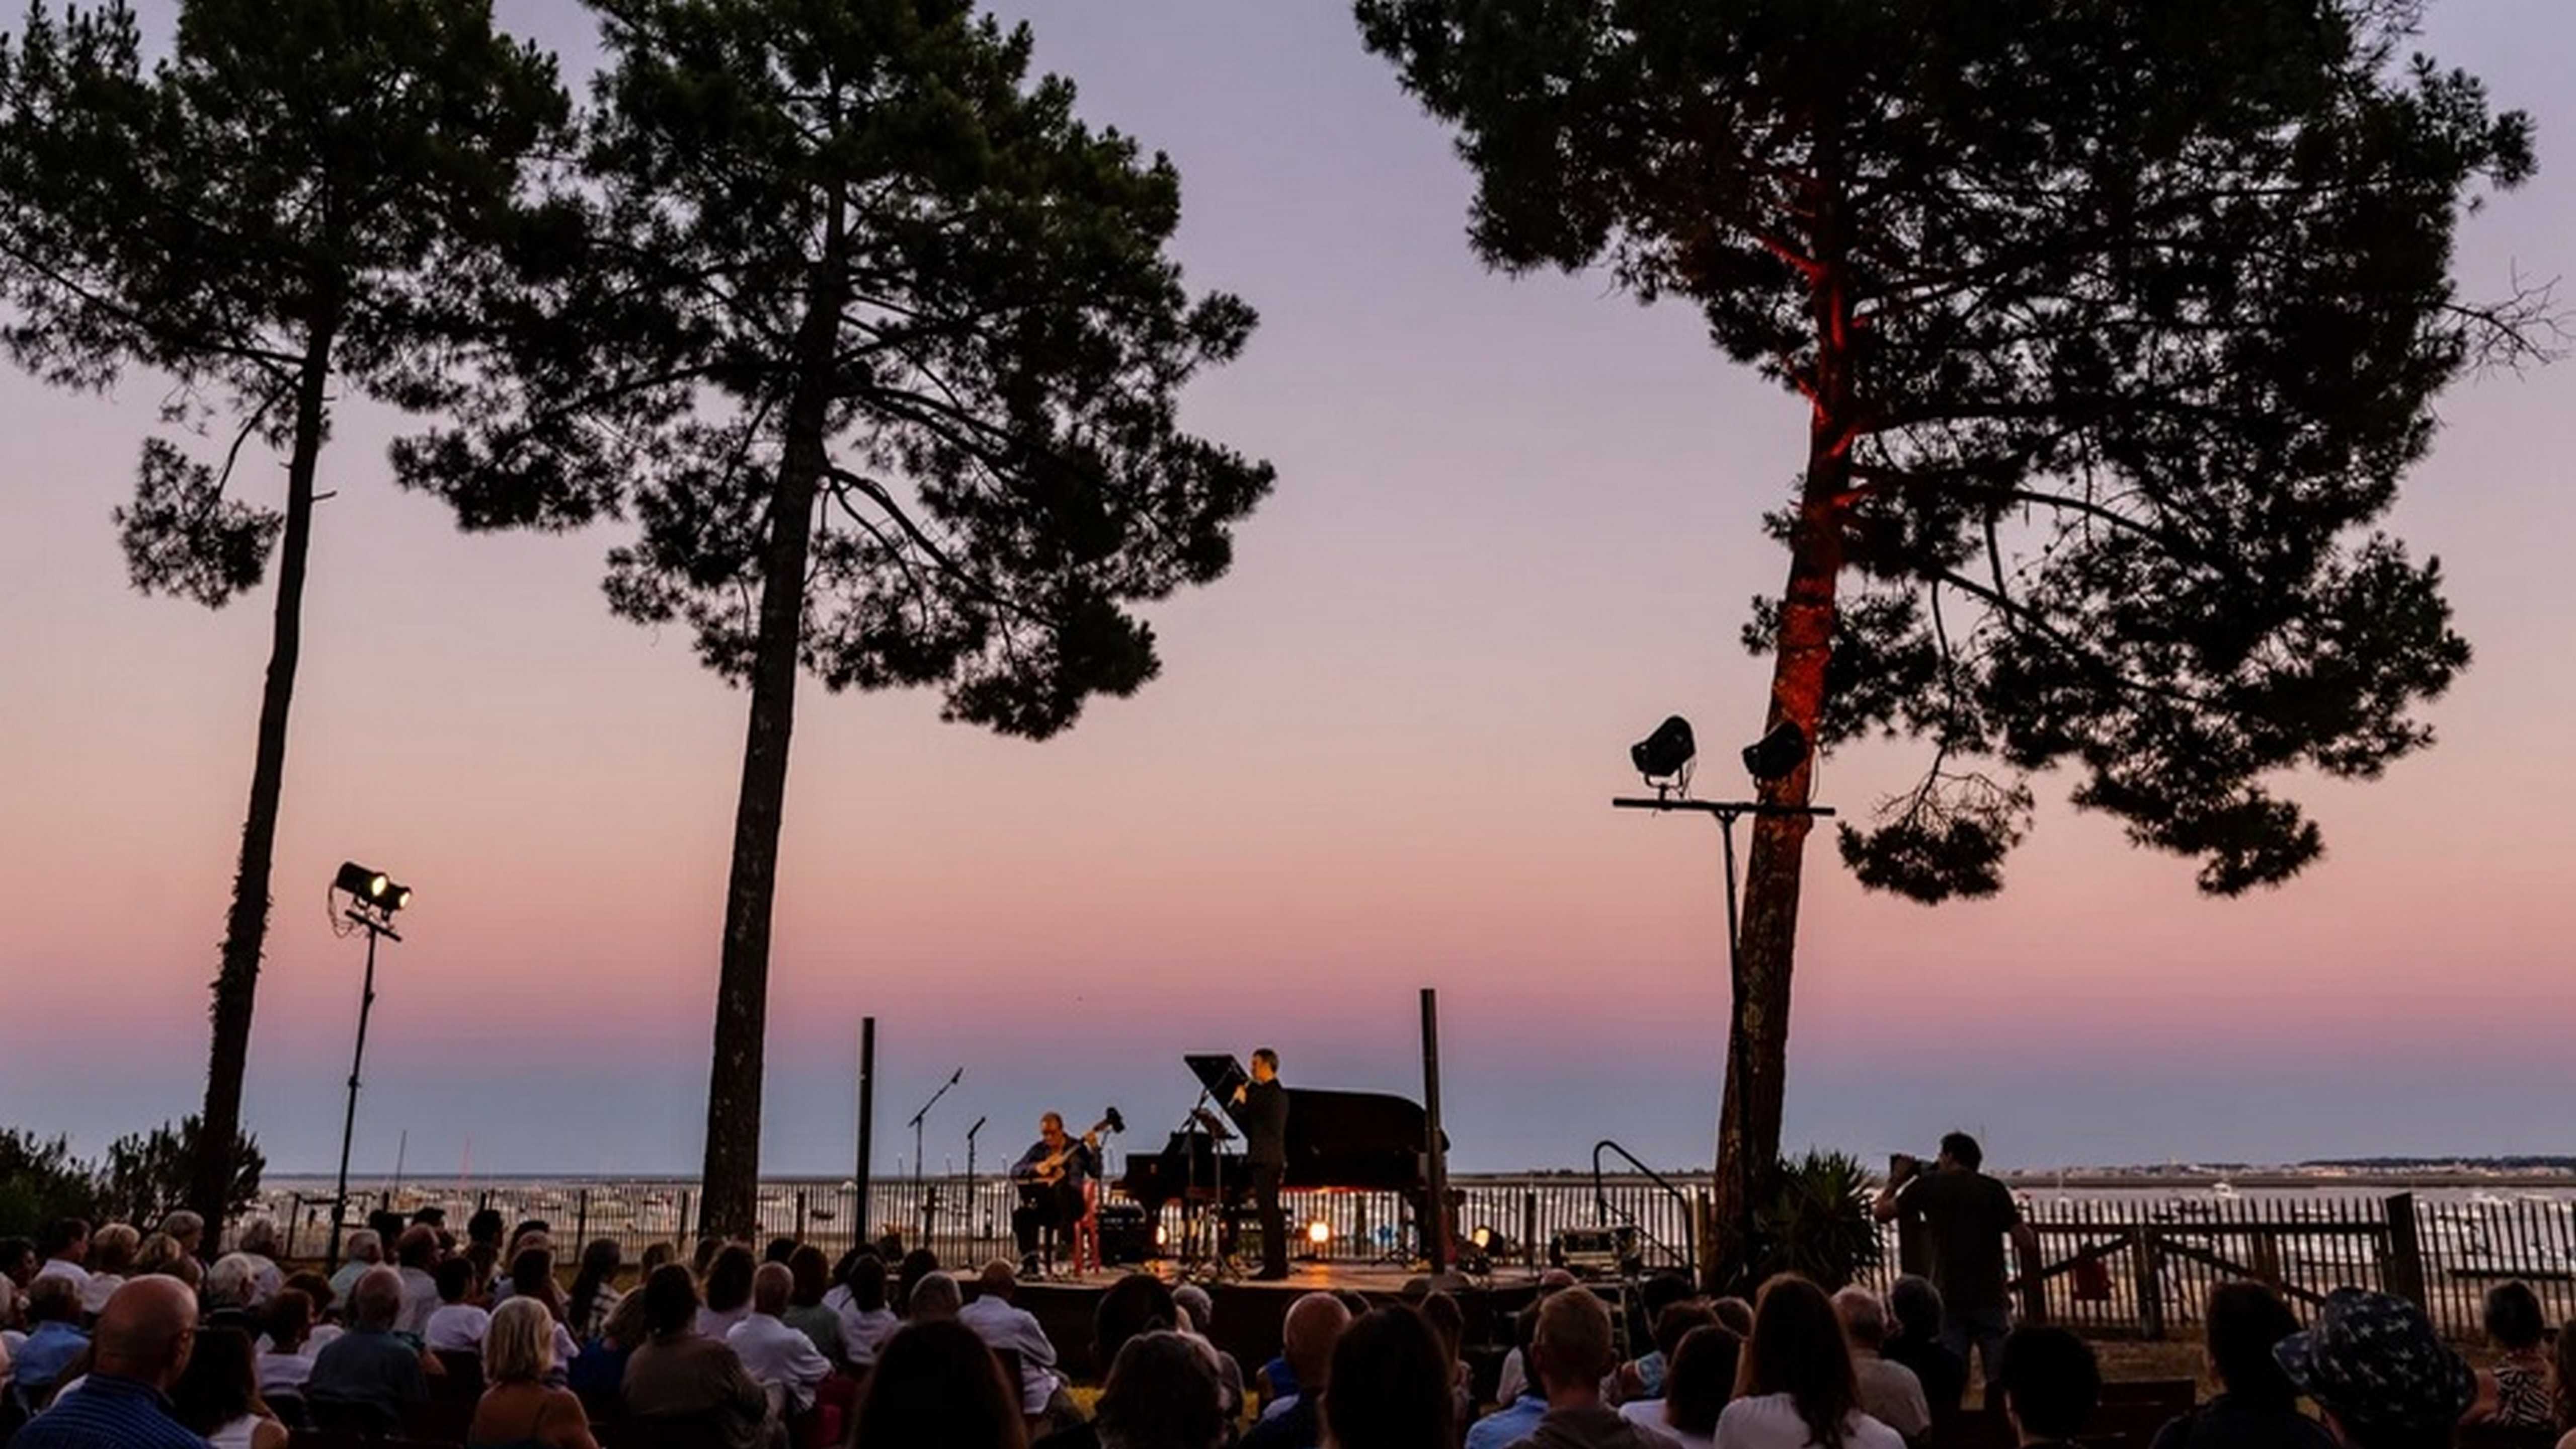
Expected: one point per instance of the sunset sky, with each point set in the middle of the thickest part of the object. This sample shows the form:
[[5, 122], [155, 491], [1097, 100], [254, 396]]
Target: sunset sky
[[1515, 526]]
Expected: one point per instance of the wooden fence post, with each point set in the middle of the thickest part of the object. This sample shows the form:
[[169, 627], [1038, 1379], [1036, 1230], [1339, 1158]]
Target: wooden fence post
[[2148, 1268], [2404, 1273], [1529, 1226], [581, 1222]]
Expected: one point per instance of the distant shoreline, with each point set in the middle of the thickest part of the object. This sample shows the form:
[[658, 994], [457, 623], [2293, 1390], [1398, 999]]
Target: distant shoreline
[[2088, 1180]]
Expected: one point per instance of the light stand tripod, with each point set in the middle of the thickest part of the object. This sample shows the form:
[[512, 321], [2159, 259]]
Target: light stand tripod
[[375, 925], [928, 1195]]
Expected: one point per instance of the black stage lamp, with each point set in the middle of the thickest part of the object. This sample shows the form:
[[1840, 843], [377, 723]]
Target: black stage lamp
[[372, 887], [1663, 756], [1776, 755]]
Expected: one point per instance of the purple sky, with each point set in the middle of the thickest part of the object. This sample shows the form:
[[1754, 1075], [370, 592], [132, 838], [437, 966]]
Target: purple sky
[[1515, 526]]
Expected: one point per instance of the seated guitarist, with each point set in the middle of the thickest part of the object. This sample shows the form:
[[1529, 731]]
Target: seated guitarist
[[1051, 1174]]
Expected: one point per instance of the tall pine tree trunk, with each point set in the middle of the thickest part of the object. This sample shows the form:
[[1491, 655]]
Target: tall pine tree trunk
[[1757, 1058], [731, 1191], [246, 925]]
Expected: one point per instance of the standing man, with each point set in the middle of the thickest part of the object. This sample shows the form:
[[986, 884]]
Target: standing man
[[1051, 1174], [1264, 1116], [1968, 1215]]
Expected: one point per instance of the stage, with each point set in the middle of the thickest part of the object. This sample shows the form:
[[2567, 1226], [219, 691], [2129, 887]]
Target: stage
[[1248, 1314]]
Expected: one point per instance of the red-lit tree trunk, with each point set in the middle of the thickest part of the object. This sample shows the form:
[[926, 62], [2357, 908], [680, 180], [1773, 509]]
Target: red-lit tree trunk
[[210, 1177], [730, 1199], [1757, 1056]]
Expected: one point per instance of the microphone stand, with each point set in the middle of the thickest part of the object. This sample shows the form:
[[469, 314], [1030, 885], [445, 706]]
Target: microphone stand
[[970, 1175], [928, 1205]]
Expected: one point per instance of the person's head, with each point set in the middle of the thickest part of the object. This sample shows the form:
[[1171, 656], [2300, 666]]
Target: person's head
[[375, 1300], [1448, 1322], [1864, 1318], [290, 1319], [112, 1248], [2513, 1320], [315, 1288], [998, 1280], [1797, 1349], [219, 1384], [366, 1246], [519, 1346], [1193, 1300], [53, 1299], [729, 1279], [147, 1331], [485, 1226], [867, 1280], [705, 1258], [1676, 1323], [431, 1215], [657, 1254], [936, 1383], [529, 1228], [532, 1275], [772, 1284], [810, 1273], [779, 1250], [1555, 1280], [1735, 1314], [1161, 1393], [232, 1283], [417, 1247], [1572, 1346], [2382, 1375], [1306, 1337], [1916, 1306], [1699, 1377], [627, 1326], [1136, 1304], [259, 1236], [1265, 1064], [455, 1278], [1960, 1153], [187, 1228], [1051, 1129], [934, 1299], [1661, 1292], [18, 1260], [670, 1302], [1390, 1386], [2050, 1382], [918, 1264], [66, 1239], [600, 1260], [2246, 1319]]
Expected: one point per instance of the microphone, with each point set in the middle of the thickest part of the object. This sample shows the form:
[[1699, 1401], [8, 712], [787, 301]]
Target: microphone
[[955, 1076], [978, 1127]]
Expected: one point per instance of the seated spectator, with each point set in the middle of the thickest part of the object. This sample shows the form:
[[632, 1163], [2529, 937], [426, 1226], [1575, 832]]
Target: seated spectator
[[54, 1337], [860, 1303], [655, 1255], [1162, 1393], [369, 1372], [2515, 1394], [1698, 1381], [1003, 1324], [912, 1267], [160, 1253], [1674, 1324], [777, 1356], [112, 1251], [317, 1289], [1916, 1342], [2256, 1407], [2050, 1384], [519, 1409], [1643, 1378], [366, 1250], [680, 1375], [533, 1271], [937, 1386], [17, 1270], [1449, 1321], [64, 1246], [594, 1294], [728, 1293], [2563, 1384], [287, 1361], [146, 1335], [459, 1323], [1135, 1305], [485, 1225], [1389, 1385], [230, 1294], [779, 1250], [2382, 1377], [1572, 1349], [1795, 1386], [218, 1394], [809, 1277], [1517, 1382], [1193, 1300], [187, 1230], [601, 1368], [258, 1241], [1736, 1314], [416, 1253], [935, 1299], [1889, 1392], [1306, 1338]]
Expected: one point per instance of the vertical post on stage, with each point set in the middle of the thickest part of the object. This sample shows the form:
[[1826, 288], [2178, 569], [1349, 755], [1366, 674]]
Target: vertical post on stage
[[859, 1217], [1435, 1146]]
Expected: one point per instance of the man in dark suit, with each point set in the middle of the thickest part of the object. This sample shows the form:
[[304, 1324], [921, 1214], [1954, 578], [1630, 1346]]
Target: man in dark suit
[[1264, 1116]]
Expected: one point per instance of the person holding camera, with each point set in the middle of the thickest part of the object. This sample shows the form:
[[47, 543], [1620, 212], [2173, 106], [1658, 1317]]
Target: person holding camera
[[1967, 1216]]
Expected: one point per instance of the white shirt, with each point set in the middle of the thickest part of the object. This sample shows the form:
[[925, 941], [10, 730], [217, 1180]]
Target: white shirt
[[1770, 1421], [284, 1373], [863, 1330], [59, 1268], [457, 1328], [779, 1357], [419, 1300], [1890, 1393], [1648, 1414], [265, 1279], [716, 1325], [1003, 1325], [96, 1292], [235, 1435]]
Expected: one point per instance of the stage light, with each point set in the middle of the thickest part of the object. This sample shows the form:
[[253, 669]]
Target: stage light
[[1319, 1232], [1776, 755], [1665, 756], [1162, 1236], [371, 887]]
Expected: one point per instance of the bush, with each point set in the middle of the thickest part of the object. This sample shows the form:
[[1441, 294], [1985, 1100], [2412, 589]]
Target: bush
[[146, 1174], [41, 1181], [1818, 1222]]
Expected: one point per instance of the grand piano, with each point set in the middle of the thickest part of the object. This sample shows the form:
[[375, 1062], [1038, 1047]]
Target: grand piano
[[1365, 1141]]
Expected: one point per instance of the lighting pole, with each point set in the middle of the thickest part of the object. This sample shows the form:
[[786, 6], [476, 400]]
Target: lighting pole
[[373, 899]]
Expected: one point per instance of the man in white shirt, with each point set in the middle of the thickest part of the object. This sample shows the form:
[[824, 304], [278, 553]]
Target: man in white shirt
[[1889, 1392], [259, 1241], [1004, 1326], [417, 1251], [64, 1245], [778, 1357], [458, 1324]]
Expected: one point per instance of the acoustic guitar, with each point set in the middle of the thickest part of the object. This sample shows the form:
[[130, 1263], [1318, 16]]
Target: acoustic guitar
[[1050, 1170]]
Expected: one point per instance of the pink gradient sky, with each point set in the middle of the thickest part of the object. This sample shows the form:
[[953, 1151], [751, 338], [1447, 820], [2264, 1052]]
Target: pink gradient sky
[[1515, 526]]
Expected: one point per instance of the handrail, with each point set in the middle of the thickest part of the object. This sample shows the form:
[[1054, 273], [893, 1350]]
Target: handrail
[[1601, 1200]]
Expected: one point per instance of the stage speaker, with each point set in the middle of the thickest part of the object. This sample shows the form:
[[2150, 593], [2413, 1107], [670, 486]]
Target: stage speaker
[[1126, 1238]]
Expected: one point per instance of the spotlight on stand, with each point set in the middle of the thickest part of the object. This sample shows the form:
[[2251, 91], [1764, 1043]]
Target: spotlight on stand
[[1319, 1234], [371, 888], [1665, 756], [373, 897], [1777, 755]]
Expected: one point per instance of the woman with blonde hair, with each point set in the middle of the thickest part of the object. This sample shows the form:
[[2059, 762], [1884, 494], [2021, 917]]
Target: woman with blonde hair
[[518, 1410]]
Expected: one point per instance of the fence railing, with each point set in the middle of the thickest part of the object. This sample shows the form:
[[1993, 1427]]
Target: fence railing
[[2131, 1264]]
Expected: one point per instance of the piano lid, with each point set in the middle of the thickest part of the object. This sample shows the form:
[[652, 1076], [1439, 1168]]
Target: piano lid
[[1335, 1138]]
